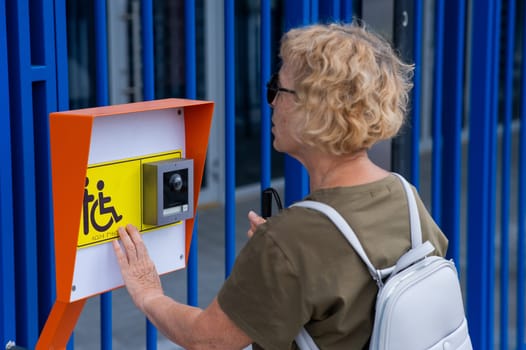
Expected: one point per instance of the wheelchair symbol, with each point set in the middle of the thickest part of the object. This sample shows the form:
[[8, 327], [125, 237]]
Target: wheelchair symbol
[[101, 204]]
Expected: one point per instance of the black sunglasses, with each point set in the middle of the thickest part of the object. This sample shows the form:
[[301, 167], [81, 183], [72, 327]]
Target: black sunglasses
[[273, 88]]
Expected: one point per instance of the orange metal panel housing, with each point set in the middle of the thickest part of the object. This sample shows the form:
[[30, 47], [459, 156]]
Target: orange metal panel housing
[[70, 134]]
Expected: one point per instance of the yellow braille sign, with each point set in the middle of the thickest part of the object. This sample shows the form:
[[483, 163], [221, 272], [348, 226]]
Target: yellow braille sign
[[113, 198]]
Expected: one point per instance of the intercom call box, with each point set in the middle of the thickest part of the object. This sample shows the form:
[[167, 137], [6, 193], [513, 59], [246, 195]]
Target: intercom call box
[[168, 191]]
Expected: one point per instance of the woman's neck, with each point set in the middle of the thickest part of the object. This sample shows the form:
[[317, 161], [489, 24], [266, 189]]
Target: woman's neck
[[327, 171]]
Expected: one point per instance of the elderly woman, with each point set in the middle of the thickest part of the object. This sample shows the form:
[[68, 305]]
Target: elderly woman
[[340, 90]]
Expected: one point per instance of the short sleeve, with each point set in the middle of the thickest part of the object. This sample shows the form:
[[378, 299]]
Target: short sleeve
[[262, 296]]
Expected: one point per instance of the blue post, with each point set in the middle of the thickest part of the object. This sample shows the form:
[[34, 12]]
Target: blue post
[[492, 173], [102, 99], [23, 172], [191, 77], [44, 100], [264, 107], [521, 208], [101, 53], [347, 11], [453, 97], [7, 263], [336, 10], [230, 137], [314, 11], [479, 197], [506, 176], [436, 183], [148, 76], [190, 55], [148, 81], [417, 96], [192, 273], [306, 12], [61, 48]]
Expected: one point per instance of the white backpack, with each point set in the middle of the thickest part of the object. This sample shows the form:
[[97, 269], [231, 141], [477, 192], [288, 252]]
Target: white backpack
[[420, 304]]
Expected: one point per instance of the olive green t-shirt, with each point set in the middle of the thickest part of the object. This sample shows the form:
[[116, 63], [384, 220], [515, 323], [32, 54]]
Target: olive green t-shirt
[[298, 269]]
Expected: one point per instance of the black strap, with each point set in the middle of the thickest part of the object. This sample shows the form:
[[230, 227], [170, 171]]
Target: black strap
[[266, 202]]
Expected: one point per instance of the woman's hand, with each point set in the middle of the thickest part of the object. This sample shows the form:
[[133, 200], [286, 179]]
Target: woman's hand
[[255, 220], [138, 270]]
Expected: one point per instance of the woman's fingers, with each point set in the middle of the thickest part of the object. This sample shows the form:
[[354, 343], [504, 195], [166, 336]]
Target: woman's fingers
[[128, 244], [255, 220], [122, 259], [140, 248], [138, 270]]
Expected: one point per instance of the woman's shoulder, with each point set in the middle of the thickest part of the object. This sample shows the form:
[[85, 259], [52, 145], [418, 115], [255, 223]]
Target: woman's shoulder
[[351, 202]]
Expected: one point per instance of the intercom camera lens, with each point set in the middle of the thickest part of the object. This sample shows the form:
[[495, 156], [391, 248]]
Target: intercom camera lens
[[176, 182]]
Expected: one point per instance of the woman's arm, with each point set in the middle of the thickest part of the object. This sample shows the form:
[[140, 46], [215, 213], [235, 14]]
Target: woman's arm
[[190, 327]]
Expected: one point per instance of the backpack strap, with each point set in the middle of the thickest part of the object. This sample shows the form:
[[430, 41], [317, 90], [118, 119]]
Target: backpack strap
[[414, 218]]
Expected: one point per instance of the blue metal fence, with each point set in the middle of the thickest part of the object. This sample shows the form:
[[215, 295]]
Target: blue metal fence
[[506, 173], [32, 42], [521, 209], [7, 263], [32, 95], [481, 185], [453, 106]]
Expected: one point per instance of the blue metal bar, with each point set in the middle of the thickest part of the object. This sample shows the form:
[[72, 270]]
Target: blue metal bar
[[347, 11], [306, 17], [506, 176], [492, 166], [266, 29], [102, 99], [7, 263], [297, 13], [416, 98], [314, 11], [23, 172], [148, 76], [191, 92], [61, 55], [191, 277], [44, 102], [336, 10], [101, 53], [190, 56], [521, 206], [148, 81], [230, 138], [44, 99], [452, 111], [481, 78], [106, 320], [436, 183]]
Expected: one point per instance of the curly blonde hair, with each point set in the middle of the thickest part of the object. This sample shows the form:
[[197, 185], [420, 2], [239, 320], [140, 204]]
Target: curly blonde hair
[[351, 87]]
